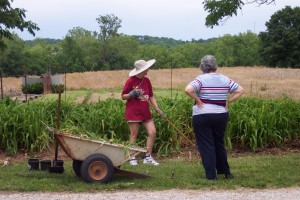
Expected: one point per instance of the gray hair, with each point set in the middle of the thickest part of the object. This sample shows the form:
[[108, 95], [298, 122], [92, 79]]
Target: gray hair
[[208, 64]]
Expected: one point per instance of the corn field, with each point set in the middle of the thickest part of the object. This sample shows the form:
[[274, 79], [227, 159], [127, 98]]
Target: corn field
[[254, 123]]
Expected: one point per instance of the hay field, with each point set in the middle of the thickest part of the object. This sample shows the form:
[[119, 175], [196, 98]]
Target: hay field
[[257, 81]]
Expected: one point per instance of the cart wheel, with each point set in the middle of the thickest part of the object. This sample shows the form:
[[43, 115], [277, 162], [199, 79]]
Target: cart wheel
[[97, 168], [77, 166]]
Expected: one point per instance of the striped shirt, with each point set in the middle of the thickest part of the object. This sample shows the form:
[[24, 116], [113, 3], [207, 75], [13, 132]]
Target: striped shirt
[[212, 89]]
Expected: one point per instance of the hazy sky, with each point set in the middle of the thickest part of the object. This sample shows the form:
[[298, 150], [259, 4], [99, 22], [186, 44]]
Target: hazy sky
[[178, 19]]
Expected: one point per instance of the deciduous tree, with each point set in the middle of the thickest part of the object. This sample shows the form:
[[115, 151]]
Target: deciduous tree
[[281, 40], [220, 10], [13, 18], [109, 25]]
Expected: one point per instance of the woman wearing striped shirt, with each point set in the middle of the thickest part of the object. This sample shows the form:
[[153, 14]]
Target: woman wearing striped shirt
[[210, 115]]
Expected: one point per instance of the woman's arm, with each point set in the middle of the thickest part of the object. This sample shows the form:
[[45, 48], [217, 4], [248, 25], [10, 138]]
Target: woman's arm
[[125, 97], [153, 102], [236, 94], [189, 90]]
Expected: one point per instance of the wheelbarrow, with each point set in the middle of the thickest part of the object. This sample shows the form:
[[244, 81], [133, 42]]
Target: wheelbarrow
[[96, 161]]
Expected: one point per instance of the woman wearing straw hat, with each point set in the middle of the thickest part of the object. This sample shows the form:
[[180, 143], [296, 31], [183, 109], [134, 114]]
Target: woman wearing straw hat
[[138, 93]]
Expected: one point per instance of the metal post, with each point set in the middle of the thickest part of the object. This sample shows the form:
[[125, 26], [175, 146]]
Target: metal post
[[171, 80], [65, 84], [1, 80], [1, 87], [26, 89]]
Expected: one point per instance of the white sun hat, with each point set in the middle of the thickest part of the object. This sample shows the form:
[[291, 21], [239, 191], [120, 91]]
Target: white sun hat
[[140, 66]]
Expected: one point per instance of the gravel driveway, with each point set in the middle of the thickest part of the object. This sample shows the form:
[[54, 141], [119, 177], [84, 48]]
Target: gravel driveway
[[244, 194]]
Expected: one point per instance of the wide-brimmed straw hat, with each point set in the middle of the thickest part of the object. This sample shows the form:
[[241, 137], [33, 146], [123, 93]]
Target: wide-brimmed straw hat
[[140, 66]]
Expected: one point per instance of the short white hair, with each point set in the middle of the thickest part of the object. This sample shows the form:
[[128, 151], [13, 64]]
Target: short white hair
[[208, 64]]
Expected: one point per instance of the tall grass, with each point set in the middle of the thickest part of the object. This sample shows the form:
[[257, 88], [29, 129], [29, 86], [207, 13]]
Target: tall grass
[[260, 123], [21, 127], [253, 123]]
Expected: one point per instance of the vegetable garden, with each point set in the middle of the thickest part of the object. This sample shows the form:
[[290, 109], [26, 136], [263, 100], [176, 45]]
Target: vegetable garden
[[254, 123]]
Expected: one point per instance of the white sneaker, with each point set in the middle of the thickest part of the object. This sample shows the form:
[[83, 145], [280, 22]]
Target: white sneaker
[[133, 161], [150, 160]]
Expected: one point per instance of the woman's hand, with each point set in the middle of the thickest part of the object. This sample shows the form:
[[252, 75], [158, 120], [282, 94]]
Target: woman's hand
[[189, 90], [199, 103], [135, 93], [160, 112]]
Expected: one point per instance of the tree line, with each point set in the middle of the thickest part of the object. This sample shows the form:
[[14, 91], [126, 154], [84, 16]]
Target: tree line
[[83, 50]]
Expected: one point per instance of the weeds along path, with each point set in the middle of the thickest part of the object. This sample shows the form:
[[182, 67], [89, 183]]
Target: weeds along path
[[245, 194]]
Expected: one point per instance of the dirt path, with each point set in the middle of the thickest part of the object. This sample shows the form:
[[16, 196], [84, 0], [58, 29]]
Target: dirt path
[[244, 194]]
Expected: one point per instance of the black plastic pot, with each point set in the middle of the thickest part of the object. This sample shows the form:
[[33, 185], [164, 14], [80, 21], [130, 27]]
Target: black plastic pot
[[33, 164], [58, 167], [59, 163], [45, 164]]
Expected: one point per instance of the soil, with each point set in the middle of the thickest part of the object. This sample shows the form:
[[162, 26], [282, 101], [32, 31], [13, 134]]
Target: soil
[[23, 156], [187, 153], [23, 97]]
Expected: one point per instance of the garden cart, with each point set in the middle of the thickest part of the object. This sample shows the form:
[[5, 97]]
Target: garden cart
[[96, 160]]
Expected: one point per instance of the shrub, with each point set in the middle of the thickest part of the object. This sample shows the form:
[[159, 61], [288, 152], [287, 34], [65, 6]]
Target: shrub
[[36, 88]]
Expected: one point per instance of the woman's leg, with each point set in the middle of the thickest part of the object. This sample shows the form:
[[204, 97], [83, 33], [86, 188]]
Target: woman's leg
[[151, 130], [205, 143], [219, 128], [134, 130]]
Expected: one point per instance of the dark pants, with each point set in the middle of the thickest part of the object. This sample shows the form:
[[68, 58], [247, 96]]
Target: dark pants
[[209, 130]]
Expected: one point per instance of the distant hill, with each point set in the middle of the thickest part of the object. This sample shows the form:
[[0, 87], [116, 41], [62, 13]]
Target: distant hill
[[45, 40], [143, 39], [163, 41]]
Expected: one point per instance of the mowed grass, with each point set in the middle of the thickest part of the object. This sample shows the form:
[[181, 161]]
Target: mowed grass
[[90, 96], [263, 171]]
